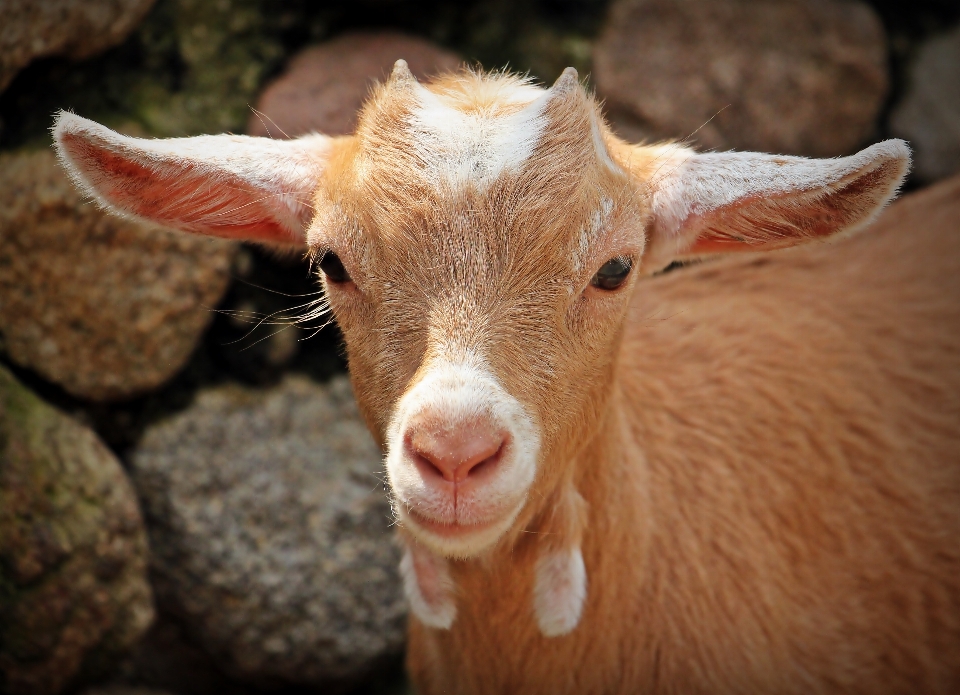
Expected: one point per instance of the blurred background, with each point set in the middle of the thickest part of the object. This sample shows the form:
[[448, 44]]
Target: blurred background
[[189, 503]]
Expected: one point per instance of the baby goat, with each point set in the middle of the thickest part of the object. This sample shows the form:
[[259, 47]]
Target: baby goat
[[743, 477]]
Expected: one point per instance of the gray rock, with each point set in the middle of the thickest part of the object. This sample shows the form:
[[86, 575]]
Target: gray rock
[[76, 28], [929, 113], [106, 307], [270, 532], [794, 77], [73, 552]]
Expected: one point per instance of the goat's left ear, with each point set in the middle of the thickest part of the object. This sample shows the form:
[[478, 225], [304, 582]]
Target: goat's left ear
[[744, 201], [232, 186]]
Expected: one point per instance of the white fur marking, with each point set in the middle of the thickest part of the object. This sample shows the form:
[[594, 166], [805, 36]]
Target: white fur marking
[[601, 147], [474, 147], [598, 221], [560, 590], [461, 391], [428, 587]]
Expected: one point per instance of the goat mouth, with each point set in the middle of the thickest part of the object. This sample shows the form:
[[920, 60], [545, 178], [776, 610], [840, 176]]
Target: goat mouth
[[451, 529], [454, 538]]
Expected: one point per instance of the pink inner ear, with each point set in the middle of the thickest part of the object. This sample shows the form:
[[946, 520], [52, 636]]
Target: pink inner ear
[[774, 236], [179, 195], [772, 222]]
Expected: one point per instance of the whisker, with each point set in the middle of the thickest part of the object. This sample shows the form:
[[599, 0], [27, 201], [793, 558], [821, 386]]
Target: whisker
[[282, 294], [257, 342], [702, 125], [261, 115]]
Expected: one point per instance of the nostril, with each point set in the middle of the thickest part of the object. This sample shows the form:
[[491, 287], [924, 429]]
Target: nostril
[[456, 453], [425, 460], [474, 467]]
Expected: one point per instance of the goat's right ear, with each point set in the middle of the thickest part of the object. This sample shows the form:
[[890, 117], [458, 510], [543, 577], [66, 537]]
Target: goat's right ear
[[231, 186], [746, 201]]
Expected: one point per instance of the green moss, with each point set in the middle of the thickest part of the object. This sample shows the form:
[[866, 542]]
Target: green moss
[[65, 505], [225, 49], [193, 66], [16, 402]]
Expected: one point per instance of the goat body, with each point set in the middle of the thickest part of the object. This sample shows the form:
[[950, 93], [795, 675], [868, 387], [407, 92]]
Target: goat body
[[740, 477], [774, 498]]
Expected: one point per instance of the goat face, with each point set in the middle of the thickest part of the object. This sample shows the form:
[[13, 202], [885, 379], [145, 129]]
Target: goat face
[[470, 222]]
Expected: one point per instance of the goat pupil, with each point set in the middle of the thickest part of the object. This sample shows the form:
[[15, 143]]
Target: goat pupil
[[333, 268], [612, 273]]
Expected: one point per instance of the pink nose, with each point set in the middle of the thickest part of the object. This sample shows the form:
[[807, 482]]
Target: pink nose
[[455, 452]]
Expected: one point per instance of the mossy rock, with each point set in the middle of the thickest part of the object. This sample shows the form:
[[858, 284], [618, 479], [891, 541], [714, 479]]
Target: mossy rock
[[73, 551]]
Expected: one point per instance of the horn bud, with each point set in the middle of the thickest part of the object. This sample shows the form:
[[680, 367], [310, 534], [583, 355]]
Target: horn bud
[[401, 74], [568, 81]]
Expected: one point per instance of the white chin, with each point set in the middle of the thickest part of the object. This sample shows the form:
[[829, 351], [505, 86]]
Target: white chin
[[456, 541]]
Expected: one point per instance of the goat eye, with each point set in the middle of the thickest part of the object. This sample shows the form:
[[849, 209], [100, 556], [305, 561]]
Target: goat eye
[[332, 267], [612, 273]]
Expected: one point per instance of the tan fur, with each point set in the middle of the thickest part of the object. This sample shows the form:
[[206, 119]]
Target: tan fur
[[769, 507], [774, 496], [759, 457]]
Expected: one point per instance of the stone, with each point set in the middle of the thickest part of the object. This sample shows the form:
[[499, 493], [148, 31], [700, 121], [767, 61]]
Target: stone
[[324, 86], [167, 660], [783, 76], [78, 29], [929, 113], [271, 533], [74, 594], [106, 307]]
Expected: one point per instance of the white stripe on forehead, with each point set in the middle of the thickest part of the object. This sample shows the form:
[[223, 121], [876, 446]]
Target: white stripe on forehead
[[475, 148]]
